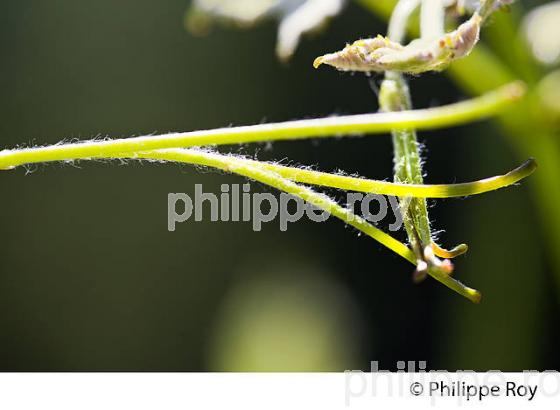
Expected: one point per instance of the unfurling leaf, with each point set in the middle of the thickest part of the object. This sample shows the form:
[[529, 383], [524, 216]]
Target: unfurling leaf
[[380, 54]]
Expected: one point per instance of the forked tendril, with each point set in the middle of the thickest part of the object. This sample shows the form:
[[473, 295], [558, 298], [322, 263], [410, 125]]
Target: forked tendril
[[258, 173]]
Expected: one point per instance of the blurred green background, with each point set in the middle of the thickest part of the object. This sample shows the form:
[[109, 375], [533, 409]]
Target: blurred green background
[[90, 278]]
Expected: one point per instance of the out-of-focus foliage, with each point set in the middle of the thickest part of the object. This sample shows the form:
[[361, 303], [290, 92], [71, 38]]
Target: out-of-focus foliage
[[296, 17], [549, 93], [287, 318], [542, 30]]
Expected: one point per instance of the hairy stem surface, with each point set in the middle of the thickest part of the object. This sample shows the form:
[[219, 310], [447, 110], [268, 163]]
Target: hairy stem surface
[[431, 118]]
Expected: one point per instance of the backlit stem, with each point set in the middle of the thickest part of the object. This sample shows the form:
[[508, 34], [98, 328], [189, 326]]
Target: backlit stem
[[395, 96], [430, 118]]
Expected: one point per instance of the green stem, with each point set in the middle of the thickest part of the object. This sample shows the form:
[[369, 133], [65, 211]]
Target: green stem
[[431, 118], [395, 96]]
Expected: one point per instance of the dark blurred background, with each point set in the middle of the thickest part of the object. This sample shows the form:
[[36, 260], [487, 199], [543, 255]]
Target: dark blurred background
[[90, 278]]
